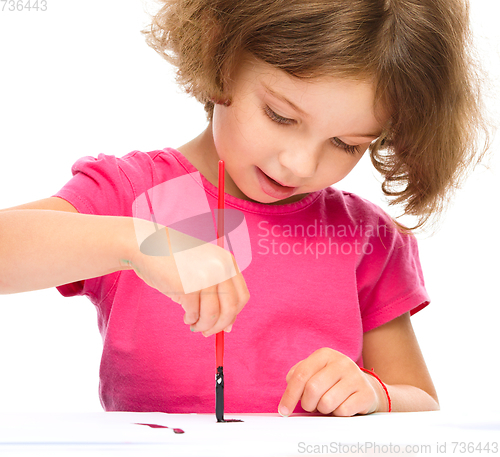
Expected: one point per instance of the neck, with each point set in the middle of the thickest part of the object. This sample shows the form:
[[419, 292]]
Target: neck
[[201, 152]]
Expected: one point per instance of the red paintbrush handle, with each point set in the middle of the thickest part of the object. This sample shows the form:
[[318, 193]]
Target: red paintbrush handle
[[219, 349], [219, 337], [220, 206]]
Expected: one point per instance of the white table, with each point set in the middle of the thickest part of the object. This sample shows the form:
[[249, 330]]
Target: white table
[[116, 433]]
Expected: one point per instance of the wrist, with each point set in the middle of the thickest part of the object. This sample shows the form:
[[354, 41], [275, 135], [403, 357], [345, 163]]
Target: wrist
[[141, 238], [381, 392], [127, 242]]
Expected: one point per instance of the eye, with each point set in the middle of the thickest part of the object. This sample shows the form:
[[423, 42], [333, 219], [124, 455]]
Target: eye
[[347, 147], [276, 117]]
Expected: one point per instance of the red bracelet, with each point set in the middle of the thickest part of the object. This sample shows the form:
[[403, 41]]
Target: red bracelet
[[380, 381]]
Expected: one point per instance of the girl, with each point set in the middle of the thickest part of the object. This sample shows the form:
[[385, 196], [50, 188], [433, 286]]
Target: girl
[[295, 93]]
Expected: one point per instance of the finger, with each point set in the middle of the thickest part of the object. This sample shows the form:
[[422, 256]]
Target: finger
[[230, 326], [350, 406], [317, 386], [335, 396], [209, 309], [241, 298], [227, 307], [191, 305], [233, 296], [174, 280], [241, 288], [297, 382], [176, 299], [290, 372]]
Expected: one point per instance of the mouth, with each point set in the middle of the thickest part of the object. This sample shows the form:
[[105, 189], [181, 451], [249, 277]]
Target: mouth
[[272, 187]]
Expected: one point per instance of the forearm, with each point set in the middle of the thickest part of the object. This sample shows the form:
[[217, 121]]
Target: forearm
[[411, 398], [403, 398], [43, 248]]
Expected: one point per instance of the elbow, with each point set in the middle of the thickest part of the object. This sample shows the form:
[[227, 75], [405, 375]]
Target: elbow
[[3, 283], [430, 402], [6, 285], [436, 406], [4, 288]]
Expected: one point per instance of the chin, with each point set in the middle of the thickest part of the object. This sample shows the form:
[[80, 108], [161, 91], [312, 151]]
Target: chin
[[292, 199]]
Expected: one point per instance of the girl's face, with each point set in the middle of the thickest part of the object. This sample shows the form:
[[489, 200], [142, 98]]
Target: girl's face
[[282, 137]]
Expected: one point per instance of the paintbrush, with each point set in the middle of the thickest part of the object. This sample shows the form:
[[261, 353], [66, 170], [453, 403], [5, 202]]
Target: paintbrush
[[219, 337]]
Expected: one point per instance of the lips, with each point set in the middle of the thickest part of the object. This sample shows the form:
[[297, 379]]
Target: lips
[[273, 188]]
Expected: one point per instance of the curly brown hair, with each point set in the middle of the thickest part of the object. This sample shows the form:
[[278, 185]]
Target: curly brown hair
[[417, 51]]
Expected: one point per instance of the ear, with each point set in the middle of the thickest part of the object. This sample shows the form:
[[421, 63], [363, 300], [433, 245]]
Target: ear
[[218, 101]]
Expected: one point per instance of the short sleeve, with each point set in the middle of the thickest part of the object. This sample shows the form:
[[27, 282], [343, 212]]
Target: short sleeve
[[100, 186], [107, 186], [389, 275]]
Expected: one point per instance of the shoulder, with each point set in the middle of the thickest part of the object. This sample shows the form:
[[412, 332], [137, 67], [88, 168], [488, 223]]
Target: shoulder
[[389, 276], [107, 184], [379, 234], [133, 164], [357, 210], [137, 171]]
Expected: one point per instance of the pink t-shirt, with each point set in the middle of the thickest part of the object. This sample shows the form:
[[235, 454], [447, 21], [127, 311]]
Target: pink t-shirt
[[323, 270]]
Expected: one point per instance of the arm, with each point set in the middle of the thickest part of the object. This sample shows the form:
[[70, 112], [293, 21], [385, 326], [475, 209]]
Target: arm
[[331, 383], [393, 352], [48, 243]]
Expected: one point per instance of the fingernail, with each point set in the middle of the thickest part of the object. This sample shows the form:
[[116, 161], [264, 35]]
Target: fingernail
[[228, 328], [192, 328], [283, 410]]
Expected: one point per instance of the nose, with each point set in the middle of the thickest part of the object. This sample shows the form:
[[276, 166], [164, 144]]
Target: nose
[[301, 160]]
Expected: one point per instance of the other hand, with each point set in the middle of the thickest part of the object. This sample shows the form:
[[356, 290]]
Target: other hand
[[329, 382]]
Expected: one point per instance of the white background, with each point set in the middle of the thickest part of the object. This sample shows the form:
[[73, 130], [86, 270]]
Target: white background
[[78, 79]]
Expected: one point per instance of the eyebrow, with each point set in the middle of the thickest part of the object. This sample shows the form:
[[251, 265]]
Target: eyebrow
[[284, 99], [372, 136]]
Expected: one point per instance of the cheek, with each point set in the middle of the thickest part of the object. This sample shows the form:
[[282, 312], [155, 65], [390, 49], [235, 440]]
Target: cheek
[[341, 165], [227, 131], [352, 161], [239, 135], [218, 122]]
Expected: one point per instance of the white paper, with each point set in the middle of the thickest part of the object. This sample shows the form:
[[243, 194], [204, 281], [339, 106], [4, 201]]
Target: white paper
[[116, 433]]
